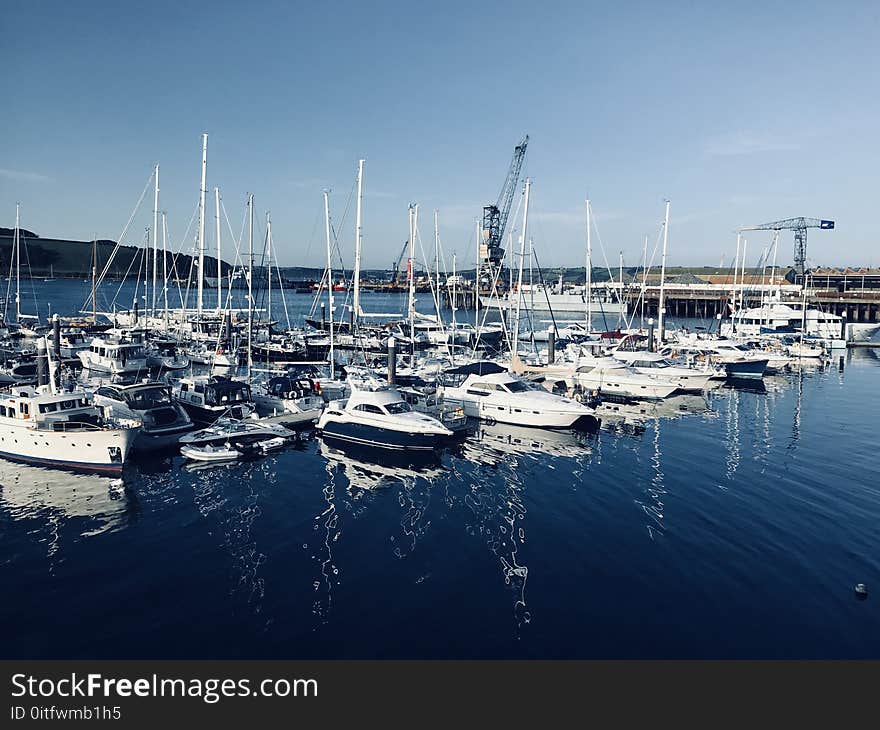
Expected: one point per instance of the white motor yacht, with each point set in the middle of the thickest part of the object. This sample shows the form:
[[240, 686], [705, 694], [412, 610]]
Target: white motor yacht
[[375, 414], [40, 425], [508, 398]]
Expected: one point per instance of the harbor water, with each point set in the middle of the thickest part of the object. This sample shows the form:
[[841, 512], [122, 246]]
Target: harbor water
[[731, 526]]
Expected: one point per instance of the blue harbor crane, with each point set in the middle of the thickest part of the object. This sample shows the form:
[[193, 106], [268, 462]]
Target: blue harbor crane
[[495, 216], [799, 226]]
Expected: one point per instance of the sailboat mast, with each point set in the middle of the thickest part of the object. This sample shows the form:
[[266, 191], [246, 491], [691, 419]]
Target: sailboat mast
[[742, 276], [329, 280], [269, 267], [437, 261], [250, 279], [155, 233], [413, 226], [522, 250], [219, 267], [661, 308], [588, 286], [94, 277], [356, 300], [202, 192], [165, 269], [477, 288], [17, 244]]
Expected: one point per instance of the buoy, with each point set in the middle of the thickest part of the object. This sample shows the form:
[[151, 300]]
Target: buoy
[[861, 590]]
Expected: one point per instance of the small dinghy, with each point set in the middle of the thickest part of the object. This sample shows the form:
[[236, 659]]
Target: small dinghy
[[271, 444], [225, 452]]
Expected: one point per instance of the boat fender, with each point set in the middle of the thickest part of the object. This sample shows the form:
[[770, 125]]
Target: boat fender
[[579, 397]]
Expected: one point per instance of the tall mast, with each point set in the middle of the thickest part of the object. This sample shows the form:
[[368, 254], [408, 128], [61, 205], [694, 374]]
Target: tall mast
[[437, 262], [644, 283], [477, 289], [94, 277], [165, 269], [522, 249], [356, 300], [269, 267], [219, 267], [742, 277], [588, 287], [202, 192], [735, 273], [329, 280], [250, 278], [661, 309], [17, 245], [155, 233], [454, 308], [413, 226]]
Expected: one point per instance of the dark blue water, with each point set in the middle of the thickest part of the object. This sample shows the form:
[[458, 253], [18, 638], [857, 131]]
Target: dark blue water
[[737, 531]]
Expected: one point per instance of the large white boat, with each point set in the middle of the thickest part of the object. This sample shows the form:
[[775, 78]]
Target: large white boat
[[164, 420], [508, 398], [376, 415], [62, 429], [296, 397], [115, 354], [688, 380], [207, 398], [561, 298], [779, 318]]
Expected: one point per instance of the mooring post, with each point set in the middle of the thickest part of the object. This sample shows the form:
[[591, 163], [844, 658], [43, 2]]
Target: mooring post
[[392, 360]]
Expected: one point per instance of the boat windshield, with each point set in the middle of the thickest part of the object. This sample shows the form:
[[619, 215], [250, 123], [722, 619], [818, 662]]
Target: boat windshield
[[397, 408], [516, 386], [141, 400]]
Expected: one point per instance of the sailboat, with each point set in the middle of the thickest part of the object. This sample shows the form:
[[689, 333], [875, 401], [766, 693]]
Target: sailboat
[[51, 276]]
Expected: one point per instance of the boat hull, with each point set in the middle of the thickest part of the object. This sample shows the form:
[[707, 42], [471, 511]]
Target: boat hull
[[385, 438], [100, 451]]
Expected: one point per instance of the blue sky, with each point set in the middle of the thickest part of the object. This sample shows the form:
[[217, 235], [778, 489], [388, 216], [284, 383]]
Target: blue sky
[[739, 114]]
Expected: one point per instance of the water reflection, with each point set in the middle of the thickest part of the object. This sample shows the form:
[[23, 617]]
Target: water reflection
[[634, 417], [653, 504], [87, 504], [369, 468], [490, 443], [226, 495], [327, 522]]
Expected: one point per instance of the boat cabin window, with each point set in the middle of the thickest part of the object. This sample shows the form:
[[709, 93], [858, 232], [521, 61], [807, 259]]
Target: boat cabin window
[[397, 408], [11, 413], [25, 409], [480, 389], [184, 387], [368, 408], [515, 386], [108, 393], [148, 398], [66, 405], [2, 410], [48, 407]]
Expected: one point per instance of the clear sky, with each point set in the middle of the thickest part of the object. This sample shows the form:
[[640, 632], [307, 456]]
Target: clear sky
[[739, 114]]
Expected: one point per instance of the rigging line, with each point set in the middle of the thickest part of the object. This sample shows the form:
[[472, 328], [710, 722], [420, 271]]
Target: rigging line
[[546, 293], [435, 295], [594, 219], [134, 258], [178, 253], [122, 235], [27, 256]]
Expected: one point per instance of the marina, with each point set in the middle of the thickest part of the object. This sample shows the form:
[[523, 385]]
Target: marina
[[290, 533]]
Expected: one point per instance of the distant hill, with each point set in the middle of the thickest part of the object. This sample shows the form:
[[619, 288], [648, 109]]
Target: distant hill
[[74, 258]]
